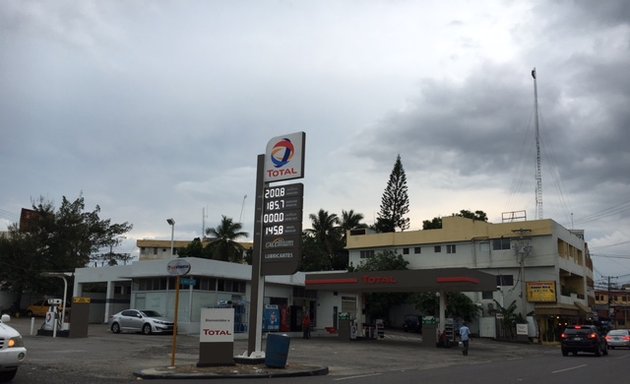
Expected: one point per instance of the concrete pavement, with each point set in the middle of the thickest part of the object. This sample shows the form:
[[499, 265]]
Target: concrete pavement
[[103, 354]]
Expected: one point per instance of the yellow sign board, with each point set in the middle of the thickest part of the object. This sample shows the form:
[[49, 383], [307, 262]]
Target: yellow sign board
[[541, 291], [81, 300]]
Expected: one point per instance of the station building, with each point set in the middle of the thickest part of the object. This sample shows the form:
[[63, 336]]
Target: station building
[[148, 285]]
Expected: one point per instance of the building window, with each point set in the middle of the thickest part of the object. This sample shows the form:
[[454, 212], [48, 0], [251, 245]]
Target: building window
[[486, 295], [500, 244], [450, 248], [152, 284], [367, 254], [417, 250], [155, 251], [505, 280], [405, 251], [437, 249]]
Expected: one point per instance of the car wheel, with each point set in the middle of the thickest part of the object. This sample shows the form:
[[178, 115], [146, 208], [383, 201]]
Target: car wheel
[[7, 375], [115, 328], [565, 352], [146, 329], [609, 347], [606, 351]]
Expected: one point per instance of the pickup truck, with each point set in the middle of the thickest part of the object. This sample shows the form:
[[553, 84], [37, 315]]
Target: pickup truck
[[12, 351]]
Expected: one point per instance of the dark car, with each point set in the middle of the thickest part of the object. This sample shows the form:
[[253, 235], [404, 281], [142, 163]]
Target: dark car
[[583, 338], [412, 323]]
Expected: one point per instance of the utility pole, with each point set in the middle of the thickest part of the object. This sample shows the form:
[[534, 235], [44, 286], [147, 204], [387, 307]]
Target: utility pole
[[611, 308], [523, 250]]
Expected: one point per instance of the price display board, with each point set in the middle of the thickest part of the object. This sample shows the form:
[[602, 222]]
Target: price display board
[[282, 229]]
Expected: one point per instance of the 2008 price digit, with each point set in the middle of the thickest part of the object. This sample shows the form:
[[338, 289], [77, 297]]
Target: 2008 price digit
[[274, 192]]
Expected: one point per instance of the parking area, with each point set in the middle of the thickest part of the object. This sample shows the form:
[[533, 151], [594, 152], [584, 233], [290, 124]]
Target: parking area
[[103, 354]]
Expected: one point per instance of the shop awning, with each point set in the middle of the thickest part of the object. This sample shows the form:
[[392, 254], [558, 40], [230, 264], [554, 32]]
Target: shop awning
[[556, 310]]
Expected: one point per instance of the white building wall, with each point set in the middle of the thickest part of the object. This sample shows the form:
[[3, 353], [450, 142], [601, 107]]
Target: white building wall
[[542, 263]]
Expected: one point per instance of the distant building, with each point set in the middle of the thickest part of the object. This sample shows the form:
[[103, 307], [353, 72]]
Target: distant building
[[613, 305], [543, 267], [161, 249]]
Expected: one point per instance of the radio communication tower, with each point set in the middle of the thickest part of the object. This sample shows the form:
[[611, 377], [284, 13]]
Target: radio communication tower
[[539, 201]]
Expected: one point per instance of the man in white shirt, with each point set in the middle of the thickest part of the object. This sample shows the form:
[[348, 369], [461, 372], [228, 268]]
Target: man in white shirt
[[464, 336]]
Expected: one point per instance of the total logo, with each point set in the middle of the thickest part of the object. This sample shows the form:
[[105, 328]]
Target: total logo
[[216, 332], [284, 157], [282, 153], [379, 280]]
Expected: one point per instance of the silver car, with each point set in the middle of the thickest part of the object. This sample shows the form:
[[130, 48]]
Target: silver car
[[145, 321], [618, 338]]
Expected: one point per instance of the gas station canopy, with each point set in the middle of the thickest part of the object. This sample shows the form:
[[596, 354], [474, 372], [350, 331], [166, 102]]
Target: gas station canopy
[[415, 280]]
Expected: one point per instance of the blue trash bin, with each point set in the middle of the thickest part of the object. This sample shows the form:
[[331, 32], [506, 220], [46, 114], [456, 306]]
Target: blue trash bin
[[277, 350]]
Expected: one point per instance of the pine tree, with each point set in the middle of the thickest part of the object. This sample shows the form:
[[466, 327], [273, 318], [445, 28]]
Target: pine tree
[[395, 202]]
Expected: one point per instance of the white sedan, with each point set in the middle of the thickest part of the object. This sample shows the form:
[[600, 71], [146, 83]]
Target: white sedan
[[136, 320]]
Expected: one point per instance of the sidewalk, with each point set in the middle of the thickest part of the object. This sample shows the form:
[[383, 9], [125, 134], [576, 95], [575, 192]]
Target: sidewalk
[[103, 354]]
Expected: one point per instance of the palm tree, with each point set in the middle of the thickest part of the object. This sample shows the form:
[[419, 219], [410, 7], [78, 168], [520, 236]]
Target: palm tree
[[350, 220], [324, 226], [325, 232], [223, 244]]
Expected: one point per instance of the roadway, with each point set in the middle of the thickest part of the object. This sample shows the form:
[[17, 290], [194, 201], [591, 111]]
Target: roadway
[[104, 358]]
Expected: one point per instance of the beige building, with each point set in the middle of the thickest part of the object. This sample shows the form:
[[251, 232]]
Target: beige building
[[161, 249], [540, 265]]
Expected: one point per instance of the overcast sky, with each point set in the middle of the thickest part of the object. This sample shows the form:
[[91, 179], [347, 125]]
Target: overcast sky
[[158, 109]]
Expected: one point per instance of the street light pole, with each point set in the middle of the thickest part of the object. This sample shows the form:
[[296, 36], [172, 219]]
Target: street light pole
[[171, 222]]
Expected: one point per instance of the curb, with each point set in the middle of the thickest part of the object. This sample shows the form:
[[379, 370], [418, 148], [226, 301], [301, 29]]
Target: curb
[[166, 373]]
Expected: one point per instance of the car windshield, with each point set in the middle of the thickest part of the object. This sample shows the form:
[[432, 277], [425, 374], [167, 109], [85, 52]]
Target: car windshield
[[618, 332], [151, 314]]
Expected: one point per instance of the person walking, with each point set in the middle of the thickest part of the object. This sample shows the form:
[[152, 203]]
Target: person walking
[[464, 336], [306, 326]]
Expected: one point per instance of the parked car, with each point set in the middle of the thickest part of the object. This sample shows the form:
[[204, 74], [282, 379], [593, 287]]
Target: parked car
[[412, 323], [12, 351], [38, 309], [583, 338], [618, 338], [136, 320]]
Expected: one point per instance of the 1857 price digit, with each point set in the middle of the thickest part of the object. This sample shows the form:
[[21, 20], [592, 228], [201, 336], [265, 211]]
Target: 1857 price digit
[[274, 205]]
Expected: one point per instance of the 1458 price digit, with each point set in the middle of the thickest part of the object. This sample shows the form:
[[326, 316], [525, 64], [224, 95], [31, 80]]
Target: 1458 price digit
[[274, 230]]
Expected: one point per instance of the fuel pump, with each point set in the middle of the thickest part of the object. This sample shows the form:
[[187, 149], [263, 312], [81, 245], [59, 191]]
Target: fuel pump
[[52, 315]]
